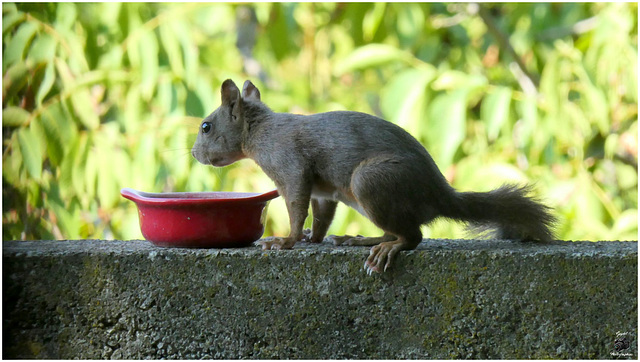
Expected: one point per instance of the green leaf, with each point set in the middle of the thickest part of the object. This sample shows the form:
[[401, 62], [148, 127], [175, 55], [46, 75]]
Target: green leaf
[[172, 48], [47, 83], [10, 20], [33, 195], [453, 79], [17, 46], [206, 94], [496, 174], [14, 116], [190, 53], [410, 22], [403, 99], [80, 165], [57, 119], [528, 112], [597, 108], [193, 104], [43, 49], [68, 221], [39, 133], [14, 79], [83, 107], [31, 152], [371, 55], [131, 20], [447, 125], [123, 174], [372, 20], [66, 167], [53, 134], [72, 166], [166, 96], [9, 8], [611, 145], [281, 27], [217, 18], [133, 111], [12, 165], [130, 227], [148, 45], [627, 177], [91, 171], [66, 15], [494, 110], [145, 164], [191, 139], [108, 12], [64, 74], [111, 59], [75, 47], [549, 81], [178, 165], [626, 225]]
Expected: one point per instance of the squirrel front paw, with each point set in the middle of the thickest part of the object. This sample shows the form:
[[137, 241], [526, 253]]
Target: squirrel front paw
[[311, 236], [277, 243], [306, 235]]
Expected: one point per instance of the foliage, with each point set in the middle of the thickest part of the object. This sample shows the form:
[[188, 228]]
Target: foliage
[[100, 96]]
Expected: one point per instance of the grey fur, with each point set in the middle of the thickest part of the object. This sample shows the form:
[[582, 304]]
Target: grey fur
[[363, 161]]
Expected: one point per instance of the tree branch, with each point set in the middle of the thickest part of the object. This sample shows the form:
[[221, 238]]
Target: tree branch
[[578, 28], [503, 42]]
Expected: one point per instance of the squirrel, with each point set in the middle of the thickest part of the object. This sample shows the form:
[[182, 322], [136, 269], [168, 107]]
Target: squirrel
[[369, 164]]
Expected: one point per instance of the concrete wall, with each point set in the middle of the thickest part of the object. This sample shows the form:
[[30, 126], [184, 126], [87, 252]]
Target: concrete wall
[[447, 299]]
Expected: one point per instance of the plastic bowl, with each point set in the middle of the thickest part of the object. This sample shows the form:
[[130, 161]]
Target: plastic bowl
[[201, 219]]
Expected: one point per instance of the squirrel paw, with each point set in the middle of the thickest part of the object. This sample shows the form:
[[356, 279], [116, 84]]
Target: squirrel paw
[[358, 240], [381, 256], [277, 243], [306, 236], [346, 240]]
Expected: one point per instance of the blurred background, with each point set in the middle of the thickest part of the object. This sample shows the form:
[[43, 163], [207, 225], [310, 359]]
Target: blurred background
[[101, 96]]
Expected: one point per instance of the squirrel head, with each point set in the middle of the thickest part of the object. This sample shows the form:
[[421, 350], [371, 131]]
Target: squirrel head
[[219, 140]]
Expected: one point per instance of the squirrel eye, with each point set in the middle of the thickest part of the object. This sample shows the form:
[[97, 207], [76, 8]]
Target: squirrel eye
[[206, 127]]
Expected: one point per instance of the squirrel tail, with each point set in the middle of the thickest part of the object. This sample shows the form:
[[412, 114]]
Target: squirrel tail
[[504, 213]]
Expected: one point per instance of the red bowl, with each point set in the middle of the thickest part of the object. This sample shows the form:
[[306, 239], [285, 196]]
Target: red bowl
[[201, 219]]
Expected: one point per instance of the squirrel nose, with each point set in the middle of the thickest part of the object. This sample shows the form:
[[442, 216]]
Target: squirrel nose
[[193, 152]]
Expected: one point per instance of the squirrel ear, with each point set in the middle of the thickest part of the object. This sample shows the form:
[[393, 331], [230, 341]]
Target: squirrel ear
[[230, 93], [249, 91]]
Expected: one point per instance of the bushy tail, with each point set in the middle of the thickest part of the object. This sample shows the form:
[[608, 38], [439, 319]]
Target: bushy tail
[[505, 213]]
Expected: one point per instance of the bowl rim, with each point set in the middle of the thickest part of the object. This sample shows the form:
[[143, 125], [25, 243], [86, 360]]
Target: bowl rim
[[202, 198]]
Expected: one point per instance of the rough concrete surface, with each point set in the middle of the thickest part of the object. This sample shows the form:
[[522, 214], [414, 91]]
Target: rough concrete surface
[[447, 299]]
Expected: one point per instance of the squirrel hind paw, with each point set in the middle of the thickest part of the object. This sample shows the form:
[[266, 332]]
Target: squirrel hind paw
[[358, 240], [340, 240], [381, 256]]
